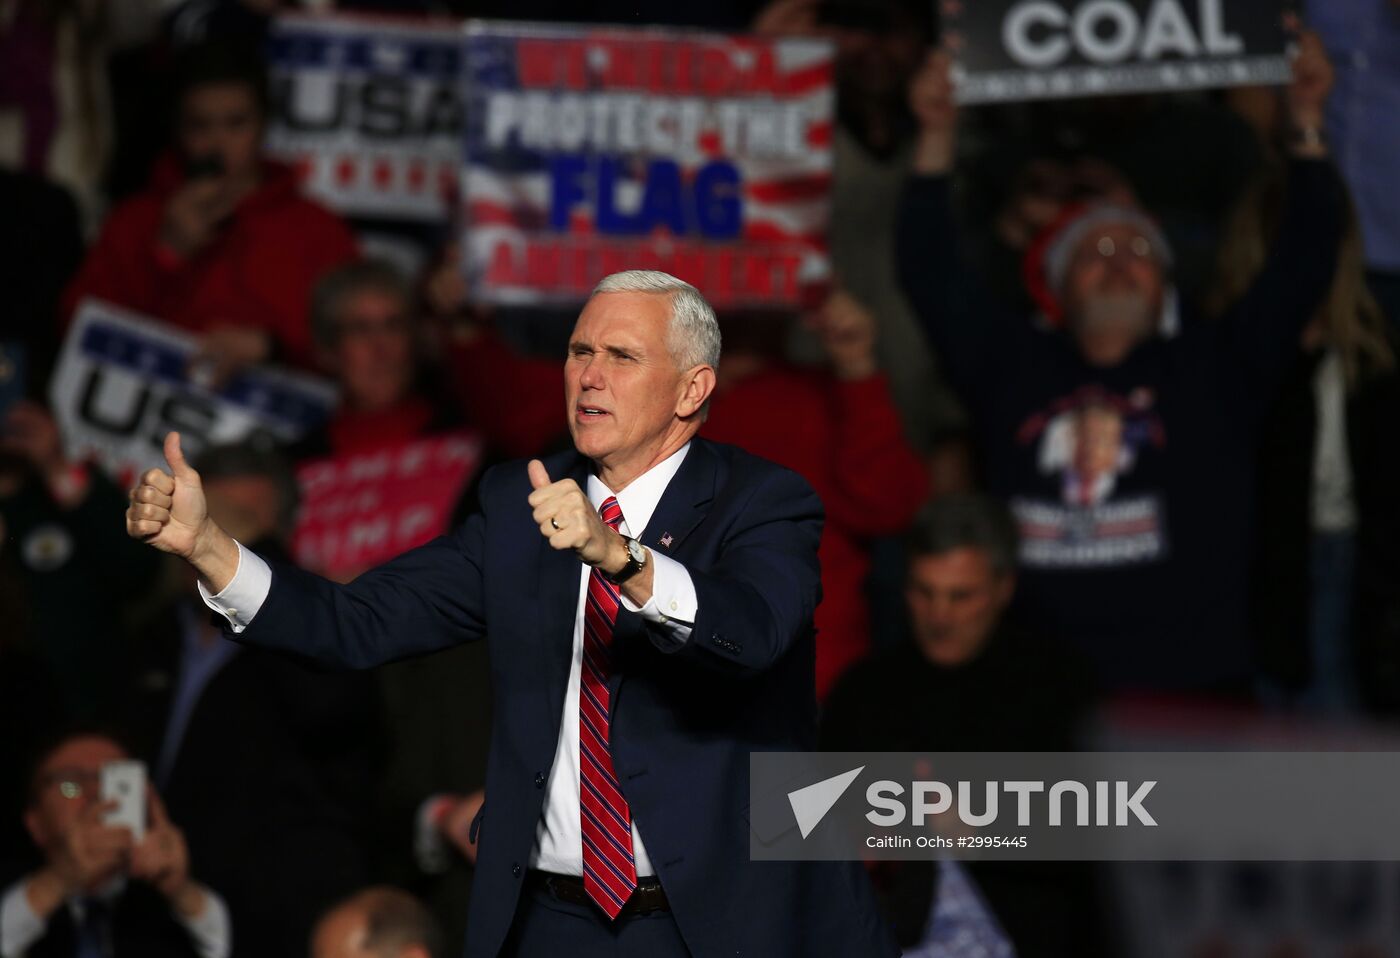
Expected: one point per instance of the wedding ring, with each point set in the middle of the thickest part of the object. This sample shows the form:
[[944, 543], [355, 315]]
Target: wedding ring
[[554, 523]]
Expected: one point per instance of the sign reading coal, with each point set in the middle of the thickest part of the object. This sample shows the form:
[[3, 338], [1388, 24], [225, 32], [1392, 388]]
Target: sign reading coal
[[1045, 49]]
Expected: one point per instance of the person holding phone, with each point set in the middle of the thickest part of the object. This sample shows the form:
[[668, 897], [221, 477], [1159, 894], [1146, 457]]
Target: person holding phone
[[98, 889], [222, 242]]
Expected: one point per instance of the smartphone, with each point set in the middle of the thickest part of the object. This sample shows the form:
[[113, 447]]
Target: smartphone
[[209, 165], [124, 782], [11, 376]]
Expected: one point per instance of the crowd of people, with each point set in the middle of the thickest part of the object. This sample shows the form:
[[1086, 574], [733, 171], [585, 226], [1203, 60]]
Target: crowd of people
[[1100, 407]]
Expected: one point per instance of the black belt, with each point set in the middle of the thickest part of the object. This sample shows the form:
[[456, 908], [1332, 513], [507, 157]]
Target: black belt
[[648, 897]]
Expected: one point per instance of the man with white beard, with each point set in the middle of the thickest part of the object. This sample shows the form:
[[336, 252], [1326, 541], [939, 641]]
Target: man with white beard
[[1121, 432]]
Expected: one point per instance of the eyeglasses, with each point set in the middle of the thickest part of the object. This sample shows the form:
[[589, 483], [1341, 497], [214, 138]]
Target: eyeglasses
[[73, 783], [1138, 246]]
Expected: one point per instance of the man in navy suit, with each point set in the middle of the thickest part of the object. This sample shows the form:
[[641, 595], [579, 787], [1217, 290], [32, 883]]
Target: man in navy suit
[[648, 602]]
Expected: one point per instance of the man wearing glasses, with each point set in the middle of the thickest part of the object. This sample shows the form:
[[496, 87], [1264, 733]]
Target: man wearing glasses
[[98, 893]]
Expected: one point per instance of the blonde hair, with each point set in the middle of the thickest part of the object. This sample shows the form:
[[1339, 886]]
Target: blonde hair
[[1354, 323]]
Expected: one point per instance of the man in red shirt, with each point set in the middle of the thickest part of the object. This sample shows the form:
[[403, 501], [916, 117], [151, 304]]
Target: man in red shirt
[[221, 243]]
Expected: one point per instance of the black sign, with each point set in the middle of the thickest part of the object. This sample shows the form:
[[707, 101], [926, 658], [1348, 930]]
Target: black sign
[[1039, 49]]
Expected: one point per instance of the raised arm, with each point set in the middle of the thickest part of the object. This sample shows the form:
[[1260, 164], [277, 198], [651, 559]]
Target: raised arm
[[931, 269], [1265, 325], [427, 599], [876, 479]]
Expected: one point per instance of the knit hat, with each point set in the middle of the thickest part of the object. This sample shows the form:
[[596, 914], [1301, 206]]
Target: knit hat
[[1046, 263]]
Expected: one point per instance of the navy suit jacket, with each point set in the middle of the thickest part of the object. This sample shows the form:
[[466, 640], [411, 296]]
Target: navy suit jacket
[[683, 722]]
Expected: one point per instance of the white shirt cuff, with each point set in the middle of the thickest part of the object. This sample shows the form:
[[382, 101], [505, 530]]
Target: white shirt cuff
[[211, 928], [429, 847], [245, 593], [673, 603], [19, 926]]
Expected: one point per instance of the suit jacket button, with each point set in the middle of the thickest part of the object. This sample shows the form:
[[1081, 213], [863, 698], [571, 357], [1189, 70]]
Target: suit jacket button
[[539, 779], [515, 869]]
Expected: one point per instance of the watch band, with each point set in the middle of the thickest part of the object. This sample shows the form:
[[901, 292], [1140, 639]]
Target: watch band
[[629, 570]]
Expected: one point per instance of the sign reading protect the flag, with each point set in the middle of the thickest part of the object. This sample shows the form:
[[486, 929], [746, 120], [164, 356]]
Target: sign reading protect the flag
[[590, 151]]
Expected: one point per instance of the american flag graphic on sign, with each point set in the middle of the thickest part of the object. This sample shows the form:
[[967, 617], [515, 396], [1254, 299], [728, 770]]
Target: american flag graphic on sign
[[591, 150]]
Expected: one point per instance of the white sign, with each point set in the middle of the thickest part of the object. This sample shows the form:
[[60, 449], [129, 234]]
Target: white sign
[[120, 386]]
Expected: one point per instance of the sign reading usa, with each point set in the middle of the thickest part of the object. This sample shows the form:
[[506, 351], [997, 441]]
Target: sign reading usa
[[121, 384], [596, 150], [1037, 49], [370, 111]]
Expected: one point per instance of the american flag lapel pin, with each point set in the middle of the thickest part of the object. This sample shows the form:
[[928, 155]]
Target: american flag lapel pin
[[666, 540]]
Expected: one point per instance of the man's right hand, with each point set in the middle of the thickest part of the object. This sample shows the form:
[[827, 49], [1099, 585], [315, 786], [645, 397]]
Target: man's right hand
[[168, 510], [88, 853], [456, 822], [194, 213], [931, 101]]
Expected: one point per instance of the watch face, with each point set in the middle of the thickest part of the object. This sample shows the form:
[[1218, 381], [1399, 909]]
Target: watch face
[[637, 551]]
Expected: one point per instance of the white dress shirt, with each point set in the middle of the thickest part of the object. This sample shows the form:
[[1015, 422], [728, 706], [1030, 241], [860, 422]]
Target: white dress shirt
[[20, 927], [672, 606]]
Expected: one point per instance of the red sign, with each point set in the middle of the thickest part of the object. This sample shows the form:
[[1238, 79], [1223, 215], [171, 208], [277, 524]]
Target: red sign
[[358, 511]]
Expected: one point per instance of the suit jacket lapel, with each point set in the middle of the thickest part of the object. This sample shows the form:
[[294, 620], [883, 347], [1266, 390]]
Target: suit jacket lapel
[[681, 508], [685, 501]]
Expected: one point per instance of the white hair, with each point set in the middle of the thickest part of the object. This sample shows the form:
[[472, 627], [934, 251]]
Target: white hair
[[694, 331]]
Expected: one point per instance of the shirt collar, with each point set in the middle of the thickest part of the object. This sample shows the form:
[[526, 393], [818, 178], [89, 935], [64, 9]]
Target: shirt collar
[[639, 500]]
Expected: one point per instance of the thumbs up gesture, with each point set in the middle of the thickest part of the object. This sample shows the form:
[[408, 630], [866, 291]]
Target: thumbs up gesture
[[168, 508], [568, 520]]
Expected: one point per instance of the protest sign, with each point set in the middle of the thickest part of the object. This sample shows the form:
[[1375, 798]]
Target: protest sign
[[370, 111], [120, 385], [592, 150], [1039, 49], [362, 509]]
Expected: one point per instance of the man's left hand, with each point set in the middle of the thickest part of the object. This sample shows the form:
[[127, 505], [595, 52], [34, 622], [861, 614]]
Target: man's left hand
[[847, 333], [568, 520], [1312, 78], [162, 859]]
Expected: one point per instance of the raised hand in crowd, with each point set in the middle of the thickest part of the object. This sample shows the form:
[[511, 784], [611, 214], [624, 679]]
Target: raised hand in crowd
[[226, 351], [931, 101], [162, 859], [445, 292], [454, 818], [80, 855], [846, 330], [30, 433], [788, 18], [196, 211], [1307, 93]]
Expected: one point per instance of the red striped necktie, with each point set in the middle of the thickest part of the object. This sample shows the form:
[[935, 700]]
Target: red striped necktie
[[609, 870]]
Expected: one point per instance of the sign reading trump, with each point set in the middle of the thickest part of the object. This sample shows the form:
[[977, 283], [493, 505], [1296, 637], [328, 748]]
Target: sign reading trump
[[591, 151], [1038, 49]]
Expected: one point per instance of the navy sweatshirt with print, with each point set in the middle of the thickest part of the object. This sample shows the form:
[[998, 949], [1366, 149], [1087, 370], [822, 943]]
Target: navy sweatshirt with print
[[1131, 484]]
